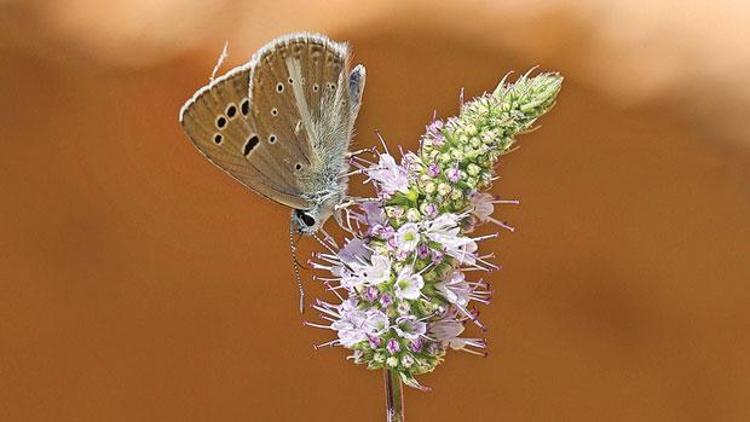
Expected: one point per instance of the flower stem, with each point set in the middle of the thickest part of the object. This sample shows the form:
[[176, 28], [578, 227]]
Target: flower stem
[[394, 396]]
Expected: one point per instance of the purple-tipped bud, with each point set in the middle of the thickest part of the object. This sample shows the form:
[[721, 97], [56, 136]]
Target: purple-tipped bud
[[434, 132], [433, 170], [374, 341], [371, 294], [454, 174], [431, 210], [392, 346], [416, 345], [437, 256], [423, 251]]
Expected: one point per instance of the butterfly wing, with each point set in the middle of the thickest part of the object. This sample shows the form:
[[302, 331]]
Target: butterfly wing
[[217, 120], [356, 89], [271, 123], [299, 98]]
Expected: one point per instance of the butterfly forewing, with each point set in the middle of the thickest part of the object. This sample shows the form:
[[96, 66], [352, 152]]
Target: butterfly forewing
[[281, 124], [218, 122]]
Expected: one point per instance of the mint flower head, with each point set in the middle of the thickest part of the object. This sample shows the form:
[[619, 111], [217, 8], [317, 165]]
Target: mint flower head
[[406, 282]]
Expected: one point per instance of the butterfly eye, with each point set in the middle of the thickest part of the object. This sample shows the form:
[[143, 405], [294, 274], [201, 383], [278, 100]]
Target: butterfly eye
[[308, 220], [218, 138], [279, 87], [274, 111], [245, 107], [291, 81], [316, 87], [298, 166], [272, 139]]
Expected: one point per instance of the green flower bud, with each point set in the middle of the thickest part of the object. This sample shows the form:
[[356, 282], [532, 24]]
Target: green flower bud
[[429, 187], [407, 361], [413, 215]]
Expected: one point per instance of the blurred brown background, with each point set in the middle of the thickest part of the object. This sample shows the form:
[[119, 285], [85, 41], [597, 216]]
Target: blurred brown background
[[139, 283]]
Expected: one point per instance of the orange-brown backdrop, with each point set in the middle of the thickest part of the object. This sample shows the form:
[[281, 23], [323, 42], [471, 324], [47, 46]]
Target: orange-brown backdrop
[[139, 283]]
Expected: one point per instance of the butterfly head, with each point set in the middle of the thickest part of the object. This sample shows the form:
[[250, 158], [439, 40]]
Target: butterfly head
[[309, 221]]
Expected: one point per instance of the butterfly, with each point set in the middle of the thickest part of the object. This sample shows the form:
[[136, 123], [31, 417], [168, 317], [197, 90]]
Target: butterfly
[[281, 124]]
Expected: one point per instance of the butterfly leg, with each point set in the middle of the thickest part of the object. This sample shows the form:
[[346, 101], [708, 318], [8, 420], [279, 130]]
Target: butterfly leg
[[342, 216], [357, 161], [352, 154], [351, 200], [345, 217], [351, 173]]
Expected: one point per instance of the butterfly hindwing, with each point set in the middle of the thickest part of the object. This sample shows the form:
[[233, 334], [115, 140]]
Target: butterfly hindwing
[[294, 89], [356, 89]]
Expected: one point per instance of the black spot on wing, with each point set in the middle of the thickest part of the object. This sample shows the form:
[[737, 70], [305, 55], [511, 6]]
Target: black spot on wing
[[250, 145], [221, 121]]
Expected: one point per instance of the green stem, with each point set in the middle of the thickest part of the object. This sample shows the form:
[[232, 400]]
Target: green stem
[[394, 397]]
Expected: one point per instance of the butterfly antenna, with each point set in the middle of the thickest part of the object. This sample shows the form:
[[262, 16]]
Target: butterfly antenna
[[296, 266], [223, 56], [301, 265]]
